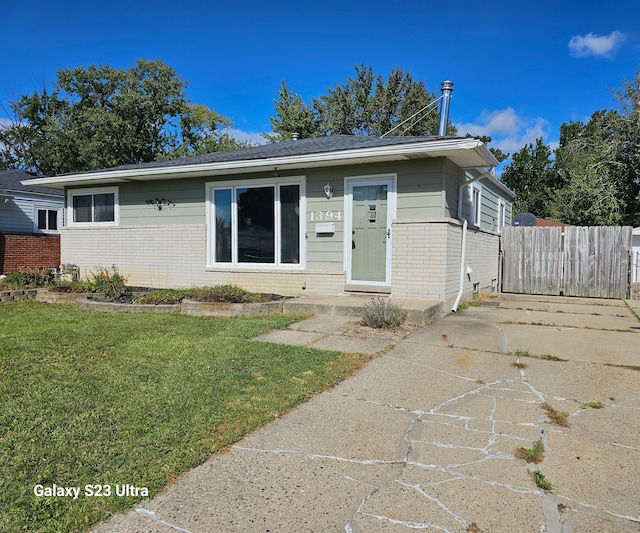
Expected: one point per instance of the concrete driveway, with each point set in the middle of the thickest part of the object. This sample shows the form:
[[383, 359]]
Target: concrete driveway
[[428, 436]]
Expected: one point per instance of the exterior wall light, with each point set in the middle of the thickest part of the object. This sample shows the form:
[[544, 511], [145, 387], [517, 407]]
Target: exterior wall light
[[328, 191]]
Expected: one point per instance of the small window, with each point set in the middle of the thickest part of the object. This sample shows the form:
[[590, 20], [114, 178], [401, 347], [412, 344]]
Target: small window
[[47, 219], [93, 206], [501, 215], [476, 205]]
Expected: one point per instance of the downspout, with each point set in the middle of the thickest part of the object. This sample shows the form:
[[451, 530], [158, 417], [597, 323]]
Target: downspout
[[462, 254], [464, 236]]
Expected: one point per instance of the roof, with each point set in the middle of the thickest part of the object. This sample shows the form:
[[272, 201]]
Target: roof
[[466, 152], [11, 185], [547, 222]]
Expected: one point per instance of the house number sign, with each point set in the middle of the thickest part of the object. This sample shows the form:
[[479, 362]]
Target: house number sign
[[316, 216]]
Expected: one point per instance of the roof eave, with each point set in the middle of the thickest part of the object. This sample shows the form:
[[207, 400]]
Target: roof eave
[[451, 148]]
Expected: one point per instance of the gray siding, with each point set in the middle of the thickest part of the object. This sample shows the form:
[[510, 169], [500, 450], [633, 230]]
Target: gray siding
[[426, 189], [18, 214]]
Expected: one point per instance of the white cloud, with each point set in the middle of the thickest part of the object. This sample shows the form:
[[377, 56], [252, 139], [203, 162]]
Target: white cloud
[[596, 45], [508, 130], [251, 136], [503, 121]]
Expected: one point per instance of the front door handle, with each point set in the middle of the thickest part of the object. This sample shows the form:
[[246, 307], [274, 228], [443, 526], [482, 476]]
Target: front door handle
[[388, 233]]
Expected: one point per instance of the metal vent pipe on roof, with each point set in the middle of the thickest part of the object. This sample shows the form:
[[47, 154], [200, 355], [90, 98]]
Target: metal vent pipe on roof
[[447, 89]]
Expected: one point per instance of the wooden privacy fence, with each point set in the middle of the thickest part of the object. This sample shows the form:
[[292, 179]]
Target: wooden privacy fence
[[591, 261]]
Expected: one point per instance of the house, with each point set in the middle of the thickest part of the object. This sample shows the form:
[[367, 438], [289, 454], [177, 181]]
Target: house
[[329, 215], [30, 221]]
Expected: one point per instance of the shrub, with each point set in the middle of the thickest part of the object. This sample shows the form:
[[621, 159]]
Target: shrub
[[29, 278], [68, 286], [168, 296], [380, 313], [217, 293], [225, 293], [108, 282]]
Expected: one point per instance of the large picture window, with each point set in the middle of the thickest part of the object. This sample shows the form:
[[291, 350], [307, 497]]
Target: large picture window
[[256, 223], [93, 206]]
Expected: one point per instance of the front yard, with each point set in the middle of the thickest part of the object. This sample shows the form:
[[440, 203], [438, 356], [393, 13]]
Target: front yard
[[117, 399]]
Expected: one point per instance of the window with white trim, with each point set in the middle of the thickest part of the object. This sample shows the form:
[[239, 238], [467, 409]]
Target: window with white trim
[[501, 215], [256, 223], [97, 206], [476, 205], [47, 219]]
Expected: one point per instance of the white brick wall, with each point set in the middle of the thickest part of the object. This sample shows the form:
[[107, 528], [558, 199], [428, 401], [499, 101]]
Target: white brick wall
[[426, 259], [175, 257]]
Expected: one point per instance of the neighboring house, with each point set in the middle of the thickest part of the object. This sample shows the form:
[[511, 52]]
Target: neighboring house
[[30, 222], [328, 215]]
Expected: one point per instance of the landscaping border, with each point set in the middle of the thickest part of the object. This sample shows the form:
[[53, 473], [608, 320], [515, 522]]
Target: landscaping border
[[187, 307]]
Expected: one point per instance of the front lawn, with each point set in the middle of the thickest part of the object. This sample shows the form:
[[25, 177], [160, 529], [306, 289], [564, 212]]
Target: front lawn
[[89, 398]]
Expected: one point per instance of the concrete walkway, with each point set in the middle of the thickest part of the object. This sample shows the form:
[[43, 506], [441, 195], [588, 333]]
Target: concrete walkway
[[426, 436]]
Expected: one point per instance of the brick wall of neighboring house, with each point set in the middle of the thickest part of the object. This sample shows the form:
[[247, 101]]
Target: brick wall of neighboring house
[[25, 250]]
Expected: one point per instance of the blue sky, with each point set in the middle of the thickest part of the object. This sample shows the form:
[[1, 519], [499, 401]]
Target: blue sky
[[520, 69]]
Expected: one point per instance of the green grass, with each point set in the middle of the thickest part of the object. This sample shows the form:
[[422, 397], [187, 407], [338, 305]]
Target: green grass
[[531, 455], [541, 481], [115, 398], [551, 357]]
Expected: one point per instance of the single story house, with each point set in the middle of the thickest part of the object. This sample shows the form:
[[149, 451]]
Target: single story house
[[329, 215], [30, 221]]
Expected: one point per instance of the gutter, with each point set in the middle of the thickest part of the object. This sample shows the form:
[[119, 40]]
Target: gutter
[[434, 148]]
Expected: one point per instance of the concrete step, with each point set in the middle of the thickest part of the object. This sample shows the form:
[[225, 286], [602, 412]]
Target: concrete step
[[419, 312]]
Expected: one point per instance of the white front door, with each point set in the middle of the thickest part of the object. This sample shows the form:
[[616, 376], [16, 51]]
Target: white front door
[[369, 208]]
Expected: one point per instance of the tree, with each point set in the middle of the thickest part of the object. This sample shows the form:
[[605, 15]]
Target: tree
[[593, 177], [292, 116], [532, 177], [101, 117], [365, 104], [600, 181], [200, 133]]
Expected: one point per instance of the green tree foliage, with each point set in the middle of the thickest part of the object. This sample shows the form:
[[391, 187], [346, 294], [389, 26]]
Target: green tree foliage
[[292, 115], [593, 177], [366, 104], [101, 117], [531, 175]]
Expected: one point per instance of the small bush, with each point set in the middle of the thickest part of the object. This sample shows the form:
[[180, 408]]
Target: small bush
[[28, 278], [108, 282], [380, 313], [163, 297], [217, 293], [68, 286], [226, 294]]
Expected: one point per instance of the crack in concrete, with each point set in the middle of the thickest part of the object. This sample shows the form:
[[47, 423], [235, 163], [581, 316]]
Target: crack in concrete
[[513, 390]]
